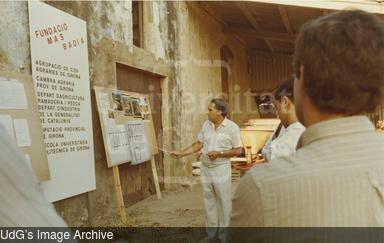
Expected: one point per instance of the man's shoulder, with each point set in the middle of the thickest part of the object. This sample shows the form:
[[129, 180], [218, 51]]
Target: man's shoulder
[[310, 160], [279, 169], [206, 123], [231, 124], [295, 129]]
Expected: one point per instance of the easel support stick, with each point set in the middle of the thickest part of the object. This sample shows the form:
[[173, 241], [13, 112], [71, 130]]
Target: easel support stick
[[119, 194], [155, 177]]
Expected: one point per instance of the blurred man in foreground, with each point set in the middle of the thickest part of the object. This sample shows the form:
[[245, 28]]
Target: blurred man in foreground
[[22, 203]]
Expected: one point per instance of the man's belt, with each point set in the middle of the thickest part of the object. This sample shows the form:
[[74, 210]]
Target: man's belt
[[207, 162]]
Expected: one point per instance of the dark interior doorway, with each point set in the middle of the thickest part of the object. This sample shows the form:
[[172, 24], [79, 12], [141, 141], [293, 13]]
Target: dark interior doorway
[[137, 180]]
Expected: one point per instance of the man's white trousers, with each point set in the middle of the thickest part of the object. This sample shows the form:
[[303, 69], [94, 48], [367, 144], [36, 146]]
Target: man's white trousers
[[216, 189]]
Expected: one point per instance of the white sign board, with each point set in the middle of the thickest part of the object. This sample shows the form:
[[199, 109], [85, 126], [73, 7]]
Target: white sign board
[[59, 58]]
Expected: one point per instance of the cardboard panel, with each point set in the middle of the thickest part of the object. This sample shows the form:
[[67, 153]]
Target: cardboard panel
[[116, 107], [18, 109]]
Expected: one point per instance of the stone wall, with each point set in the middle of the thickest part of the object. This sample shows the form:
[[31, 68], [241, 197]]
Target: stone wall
[[197, 66]]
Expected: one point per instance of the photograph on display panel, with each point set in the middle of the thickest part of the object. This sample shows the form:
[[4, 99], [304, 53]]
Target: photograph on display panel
[[127, 105], [116, 97], [136, 106]]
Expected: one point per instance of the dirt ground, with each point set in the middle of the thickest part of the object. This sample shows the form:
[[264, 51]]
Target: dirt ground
[[182, 208]]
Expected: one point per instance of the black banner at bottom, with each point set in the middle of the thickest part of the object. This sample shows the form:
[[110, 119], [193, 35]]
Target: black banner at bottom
[[193, 234]]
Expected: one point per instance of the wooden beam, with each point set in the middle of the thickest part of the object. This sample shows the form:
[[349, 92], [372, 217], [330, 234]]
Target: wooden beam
[[269, 45], [326, 11], [244, 32], [252, 51], [205, 7], [252, 20], [119, 194], [284, 17], [248, 15], [155, 177], [239, 39], [366, 5]]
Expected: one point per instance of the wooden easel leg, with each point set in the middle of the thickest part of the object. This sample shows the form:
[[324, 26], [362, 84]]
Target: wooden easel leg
[[119, 194], [155, 177]]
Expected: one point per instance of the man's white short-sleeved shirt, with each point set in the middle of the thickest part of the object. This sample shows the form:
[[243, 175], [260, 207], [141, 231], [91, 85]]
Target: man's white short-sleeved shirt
[[285, 144], [225, 137], [267, 147]]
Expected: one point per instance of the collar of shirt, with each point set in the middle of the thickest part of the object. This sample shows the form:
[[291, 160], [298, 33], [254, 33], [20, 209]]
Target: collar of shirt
[[224, 123], [334, 127]]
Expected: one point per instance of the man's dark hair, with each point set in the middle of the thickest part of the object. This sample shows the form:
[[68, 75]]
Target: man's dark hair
[[221, 105], [285, 88], [343, 58]]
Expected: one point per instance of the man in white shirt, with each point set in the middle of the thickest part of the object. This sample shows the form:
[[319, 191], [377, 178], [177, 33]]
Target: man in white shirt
[[285, 144], [219, 140]]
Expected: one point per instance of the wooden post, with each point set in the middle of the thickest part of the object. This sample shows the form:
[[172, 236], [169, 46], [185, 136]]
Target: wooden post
[[155, 177], [119, 194]]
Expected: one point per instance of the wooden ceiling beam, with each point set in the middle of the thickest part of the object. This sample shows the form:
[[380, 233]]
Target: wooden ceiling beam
[[284, 17], [325, 12], [252, 20], [251, 51], [248, 15], [243, 32], [205, 7], [269, 45]]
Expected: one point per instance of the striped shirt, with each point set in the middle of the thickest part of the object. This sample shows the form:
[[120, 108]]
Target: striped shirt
[[335, 178]]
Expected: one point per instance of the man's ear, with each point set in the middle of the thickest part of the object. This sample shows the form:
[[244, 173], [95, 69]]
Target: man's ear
[[285, 100], [287, 103]]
